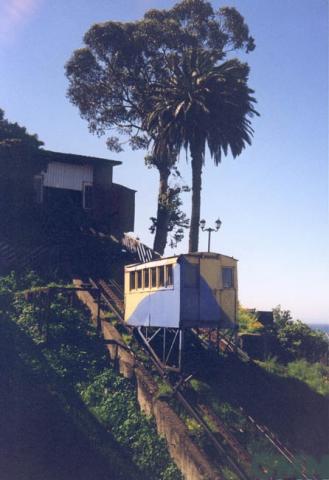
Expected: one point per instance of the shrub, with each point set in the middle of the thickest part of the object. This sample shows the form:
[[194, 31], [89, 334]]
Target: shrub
[[297, 340], [73, 351], [112, 399], [248, 322], [315, 375]]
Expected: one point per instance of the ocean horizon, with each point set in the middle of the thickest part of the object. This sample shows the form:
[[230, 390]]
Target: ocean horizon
[[323, 327]]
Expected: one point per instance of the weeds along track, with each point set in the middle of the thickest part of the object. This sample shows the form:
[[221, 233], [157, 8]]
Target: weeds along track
[[110, 296], [298, 464], [228, 447]]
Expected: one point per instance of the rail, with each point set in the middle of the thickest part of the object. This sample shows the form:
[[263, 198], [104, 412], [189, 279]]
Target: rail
[[111, 294], [108, 296], [135, 246]]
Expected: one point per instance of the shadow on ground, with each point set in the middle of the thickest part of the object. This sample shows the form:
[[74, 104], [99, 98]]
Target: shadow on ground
[[297, 414], [43, 433]]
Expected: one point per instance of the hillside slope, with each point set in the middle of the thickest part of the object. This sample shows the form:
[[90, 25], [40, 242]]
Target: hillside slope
[[38, 438], [49, 431]]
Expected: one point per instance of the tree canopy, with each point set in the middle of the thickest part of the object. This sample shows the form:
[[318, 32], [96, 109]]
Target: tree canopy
[[16, 146], [203, 105], [112, 78], [117, 77], [297, 339], [13, 133], [18, 165]]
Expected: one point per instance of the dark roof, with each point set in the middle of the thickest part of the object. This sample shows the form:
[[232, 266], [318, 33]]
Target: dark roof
[[182, 255], [50, 156]]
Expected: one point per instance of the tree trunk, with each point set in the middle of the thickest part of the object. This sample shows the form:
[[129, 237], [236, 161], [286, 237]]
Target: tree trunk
[[161, 233], [197, 160]]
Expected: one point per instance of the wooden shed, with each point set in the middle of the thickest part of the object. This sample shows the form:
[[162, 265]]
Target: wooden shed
[[86, 183]]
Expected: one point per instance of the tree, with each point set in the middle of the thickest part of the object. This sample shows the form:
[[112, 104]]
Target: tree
[[116, 77], [248, 321], [19, 163], [13, 132], [202, 105], [297, 340], [169, 216], [17, 148], [109, 80], [281, 317], [176, 221]]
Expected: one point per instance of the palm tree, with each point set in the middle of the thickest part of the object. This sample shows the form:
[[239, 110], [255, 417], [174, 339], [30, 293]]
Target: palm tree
[[202, 105]]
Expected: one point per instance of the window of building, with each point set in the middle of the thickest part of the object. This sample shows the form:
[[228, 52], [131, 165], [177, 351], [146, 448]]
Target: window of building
[[153, 277], [161, 276], [146, 278], [139, 278], [38, 188], [227, 274], [87, 199], [132, 281], [169, 274]]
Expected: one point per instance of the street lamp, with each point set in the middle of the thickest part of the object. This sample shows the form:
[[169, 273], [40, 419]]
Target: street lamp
[[210, 230]]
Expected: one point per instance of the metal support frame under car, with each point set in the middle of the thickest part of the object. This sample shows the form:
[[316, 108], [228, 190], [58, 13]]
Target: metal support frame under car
[[171, 354]]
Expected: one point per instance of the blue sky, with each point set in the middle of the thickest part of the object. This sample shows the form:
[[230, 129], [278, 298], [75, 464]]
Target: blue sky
[[272, 200]]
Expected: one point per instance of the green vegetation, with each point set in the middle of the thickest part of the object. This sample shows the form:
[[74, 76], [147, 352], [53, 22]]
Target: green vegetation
[[112, 400], [294, 409], [315, 375], [19, 162], [297, 340], [296, 350], [70, 362], [12, 133], [164, 390], [258, 395], [163, 82], [248, 322]]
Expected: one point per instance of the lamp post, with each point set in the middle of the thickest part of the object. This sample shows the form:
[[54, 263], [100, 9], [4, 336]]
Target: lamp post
[[210, 230]]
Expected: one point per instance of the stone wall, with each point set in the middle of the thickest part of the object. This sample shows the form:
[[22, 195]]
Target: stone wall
[[189, 458]]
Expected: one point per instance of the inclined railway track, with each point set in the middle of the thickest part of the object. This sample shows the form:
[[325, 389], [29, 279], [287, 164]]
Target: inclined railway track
[[111, 294]]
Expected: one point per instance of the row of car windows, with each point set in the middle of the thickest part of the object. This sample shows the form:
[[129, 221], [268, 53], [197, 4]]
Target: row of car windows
[[162, 277], [155, 277]]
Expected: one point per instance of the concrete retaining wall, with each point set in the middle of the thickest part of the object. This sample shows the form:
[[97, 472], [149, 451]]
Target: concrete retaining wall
[[189, 458]]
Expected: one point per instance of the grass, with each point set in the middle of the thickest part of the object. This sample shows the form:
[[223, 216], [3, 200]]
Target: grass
[[164, 390], [289, 401], [72, 368], [315, 375], [88, 401]]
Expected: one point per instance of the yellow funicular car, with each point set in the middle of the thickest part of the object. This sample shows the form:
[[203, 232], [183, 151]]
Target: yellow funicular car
[[189, 291]]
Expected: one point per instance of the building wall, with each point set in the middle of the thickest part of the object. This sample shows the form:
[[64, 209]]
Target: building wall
[[113, 206], [205, 302], [67, 176], [153, 306], [103, 176], [123, 199]]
